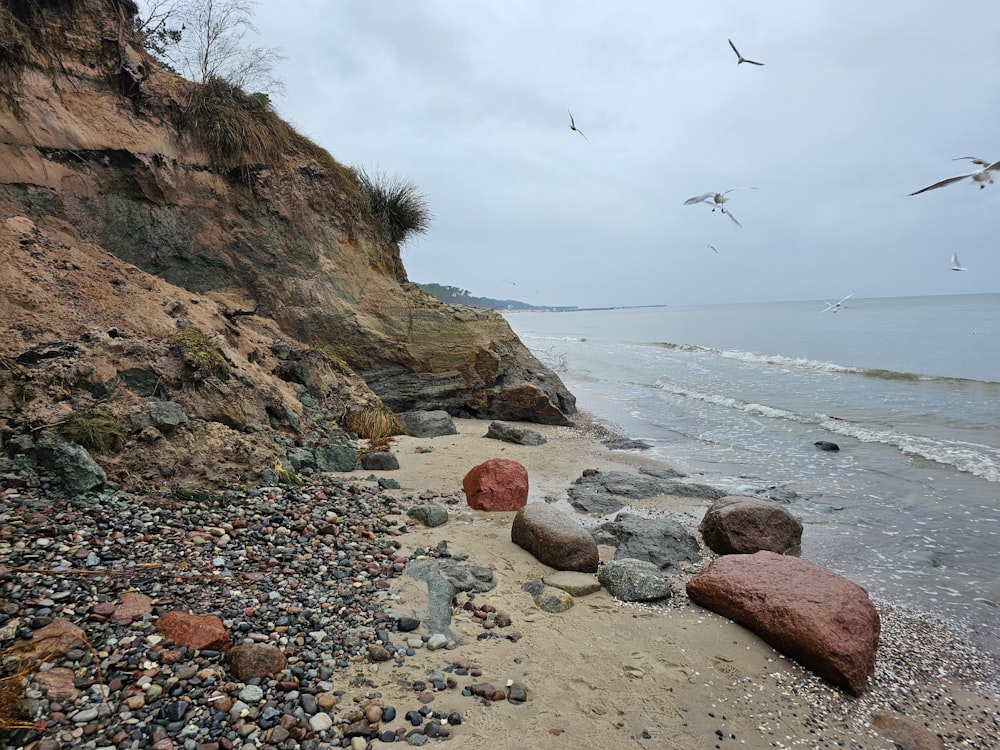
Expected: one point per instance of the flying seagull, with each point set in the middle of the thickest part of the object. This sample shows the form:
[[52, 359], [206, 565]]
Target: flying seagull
[[984, 176], [955, 265], [739, 58], [837, 306], [712, 248], [572, 126], [717, 201]]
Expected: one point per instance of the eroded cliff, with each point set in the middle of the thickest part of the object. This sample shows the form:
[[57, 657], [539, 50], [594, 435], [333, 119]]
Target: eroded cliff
[[121, 211]]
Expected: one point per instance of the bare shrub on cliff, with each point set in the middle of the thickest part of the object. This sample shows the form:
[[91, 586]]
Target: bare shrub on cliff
[[397, 205]]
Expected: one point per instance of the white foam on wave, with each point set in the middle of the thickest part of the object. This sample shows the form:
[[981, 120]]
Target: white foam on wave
[[979, 460], [802, 363]]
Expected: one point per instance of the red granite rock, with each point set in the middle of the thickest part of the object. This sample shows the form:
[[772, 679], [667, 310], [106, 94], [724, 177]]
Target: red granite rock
[[54, 639], [813, 615], [496, 485], [195, 631], [250, 660], [133, 605], [744, 525], [57, 684], [554, 538]]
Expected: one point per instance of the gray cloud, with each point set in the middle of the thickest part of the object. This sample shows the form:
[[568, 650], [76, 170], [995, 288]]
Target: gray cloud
[[859, 103]]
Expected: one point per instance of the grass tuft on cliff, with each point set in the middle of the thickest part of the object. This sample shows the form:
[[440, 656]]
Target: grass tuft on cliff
[[238, 130], [199, 354], [94, 432], [400, 209]]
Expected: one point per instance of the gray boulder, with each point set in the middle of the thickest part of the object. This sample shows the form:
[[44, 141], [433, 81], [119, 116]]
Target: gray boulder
[[514, 433], [633, 580], [69, 464], [429, 514], [163, 415], [428, 423], [744, 525], [605, 492], [379, 461], [661, 541], [335, 457]]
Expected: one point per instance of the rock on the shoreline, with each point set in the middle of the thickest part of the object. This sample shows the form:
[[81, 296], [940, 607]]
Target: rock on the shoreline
[[549, 598], [433, 423], [429, 514], [633, 580], [70, 465], [496, 485], [514, 433], [194, 631], [250, 660], [379, 461], [554, 538], [577, 584], [744, 525], [604, 492], [661, 541], [813, 615]]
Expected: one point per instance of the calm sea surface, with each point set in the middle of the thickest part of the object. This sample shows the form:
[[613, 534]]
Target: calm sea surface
[[909, 388]]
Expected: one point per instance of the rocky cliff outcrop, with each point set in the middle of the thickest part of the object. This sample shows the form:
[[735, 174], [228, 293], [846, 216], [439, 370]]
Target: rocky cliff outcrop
[[267, 237]]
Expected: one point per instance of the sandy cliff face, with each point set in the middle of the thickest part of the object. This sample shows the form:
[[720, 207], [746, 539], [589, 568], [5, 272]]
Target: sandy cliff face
[[97, 158], [116, 216]]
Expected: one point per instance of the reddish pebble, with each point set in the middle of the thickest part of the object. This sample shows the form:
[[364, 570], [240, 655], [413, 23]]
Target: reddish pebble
[[425, 698]]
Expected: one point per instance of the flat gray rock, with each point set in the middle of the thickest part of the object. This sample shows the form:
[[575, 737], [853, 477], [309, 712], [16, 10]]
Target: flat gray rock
[[633, 580], [514, 433], [661, 541]]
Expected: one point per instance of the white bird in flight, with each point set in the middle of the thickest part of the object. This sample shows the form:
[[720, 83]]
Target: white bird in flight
[[717, 201], [573, 127], [837, 306], [712, 248], [739, 58], [955, 265], [983, 176]]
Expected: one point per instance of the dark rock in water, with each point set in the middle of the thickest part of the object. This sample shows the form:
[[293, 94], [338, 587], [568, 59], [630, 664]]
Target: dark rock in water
[[514, 433], [826, 445], [379, 461], [661, 541], [626, 444], [428, 423]]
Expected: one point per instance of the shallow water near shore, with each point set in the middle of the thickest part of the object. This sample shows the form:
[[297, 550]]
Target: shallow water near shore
[[909, 388]]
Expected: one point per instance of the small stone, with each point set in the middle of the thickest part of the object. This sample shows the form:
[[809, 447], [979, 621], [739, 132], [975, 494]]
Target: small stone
[[320, 722]]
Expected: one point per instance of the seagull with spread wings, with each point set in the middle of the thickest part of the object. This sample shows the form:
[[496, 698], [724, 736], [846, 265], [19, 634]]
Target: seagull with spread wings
[[739, 58], [837, 306], [574, 128], [955, 265], [983, 177], [717, 201]]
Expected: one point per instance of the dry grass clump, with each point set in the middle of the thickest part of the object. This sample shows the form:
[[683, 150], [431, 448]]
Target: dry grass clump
[[199, 353], [374, 423], [12, 713], [397, 205], [96, 433]]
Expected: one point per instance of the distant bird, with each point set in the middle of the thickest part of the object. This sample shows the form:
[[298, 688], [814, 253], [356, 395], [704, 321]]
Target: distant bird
[[573, 127], [739, 58], [717, 201], [984, 176], [955, 265], [837, 306], [712, 248]]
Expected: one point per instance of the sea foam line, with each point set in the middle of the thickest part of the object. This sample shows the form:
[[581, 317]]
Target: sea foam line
[[979, 460]]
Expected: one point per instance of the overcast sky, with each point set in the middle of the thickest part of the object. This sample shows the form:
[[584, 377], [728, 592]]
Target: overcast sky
[[859, 103]]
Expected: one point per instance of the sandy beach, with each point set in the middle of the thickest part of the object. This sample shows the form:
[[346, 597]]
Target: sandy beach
[[609, 674]]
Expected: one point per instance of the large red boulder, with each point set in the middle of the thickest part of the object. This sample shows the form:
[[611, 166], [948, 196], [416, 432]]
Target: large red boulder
[[497, 484], [813, 615], [194, 631], [554, 538], [737, 525]]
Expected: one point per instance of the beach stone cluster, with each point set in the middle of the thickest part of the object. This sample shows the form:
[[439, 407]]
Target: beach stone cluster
[[235, 619]]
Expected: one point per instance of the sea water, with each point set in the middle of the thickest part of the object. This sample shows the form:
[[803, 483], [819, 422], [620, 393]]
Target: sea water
[[737, 396]]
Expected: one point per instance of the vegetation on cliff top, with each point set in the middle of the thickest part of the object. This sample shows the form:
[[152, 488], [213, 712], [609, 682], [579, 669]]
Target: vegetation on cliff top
[[397, 205]]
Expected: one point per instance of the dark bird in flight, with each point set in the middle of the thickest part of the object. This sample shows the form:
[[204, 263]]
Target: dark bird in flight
[[572, 126], [739, 58]]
